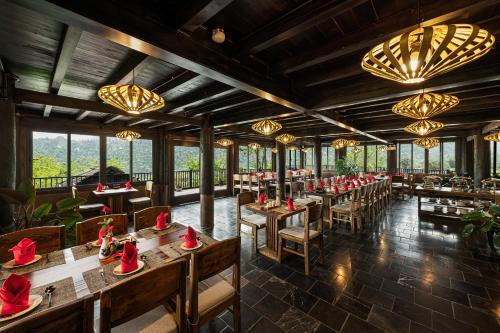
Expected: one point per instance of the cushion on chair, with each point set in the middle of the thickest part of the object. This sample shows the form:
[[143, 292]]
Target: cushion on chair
[[159, 319], [344, 206], [139, 200], [96, 206], [213, 296], [256, 219], [298, 232], [305, 202]]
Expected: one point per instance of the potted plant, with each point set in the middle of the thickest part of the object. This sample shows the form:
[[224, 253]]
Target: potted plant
[[345, 167], [487, 222]]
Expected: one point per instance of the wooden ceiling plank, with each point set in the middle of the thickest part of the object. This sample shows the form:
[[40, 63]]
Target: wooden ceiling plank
[[175, 81], [137, 122], [199, 97], [225, 104], [112, 119], [197, 12]]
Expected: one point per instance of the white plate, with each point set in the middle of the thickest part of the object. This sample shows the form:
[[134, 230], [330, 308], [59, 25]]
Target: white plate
[[198, 245], [33, 301], [117, 270], [12, 263], [157, 229]]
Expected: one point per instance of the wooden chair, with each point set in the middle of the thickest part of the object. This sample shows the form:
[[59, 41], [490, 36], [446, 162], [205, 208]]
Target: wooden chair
[[246, 183], [397, 186], [48, 239], [87, 231], [141, 202], [87, 208], [146, 217], [74, 317], [254, 221], [348, 211], [303, 236], [208, 304], [237, 183], [138, 304], [256, 185]]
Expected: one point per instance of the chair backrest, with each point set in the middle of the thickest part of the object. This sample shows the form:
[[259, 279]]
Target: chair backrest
[[130, 298], [243, 199], [87, 231], [236, 178], [146, 217], [315, 213], [149, 187], [48, 239], [355, 198], [74, 191], [245, 178], [73, 317], [397, 179]]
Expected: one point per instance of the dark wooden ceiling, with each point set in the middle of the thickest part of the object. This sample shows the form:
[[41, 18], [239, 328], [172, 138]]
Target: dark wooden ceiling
[[296, 61]]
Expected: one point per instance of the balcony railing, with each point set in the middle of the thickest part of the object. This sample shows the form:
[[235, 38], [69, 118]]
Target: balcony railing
[[62, 182], [186, 179]]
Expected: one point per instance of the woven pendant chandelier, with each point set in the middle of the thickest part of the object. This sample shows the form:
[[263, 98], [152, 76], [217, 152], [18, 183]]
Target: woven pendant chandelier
[[266, 127], [425, 105], [254, 145], [382, 149], [274, 150], [225, 142], [131, 98], [293, 148], [352, 143], [424, 127], [427, 143], [340, 143], [128, 135], [427, 52], [285, 138], [493, 137]]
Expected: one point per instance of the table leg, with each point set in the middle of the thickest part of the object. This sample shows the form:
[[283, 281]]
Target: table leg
[[272, 228], [419, 205]]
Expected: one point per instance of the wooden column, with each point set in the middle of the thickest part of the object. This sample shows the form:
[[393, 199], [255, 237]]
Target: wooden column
[[460, 157], [207, 173], [302, 160], [426, 161], [232, 156], [481, 159], [391, 161], [273, 161], [317, 157], [102, 159], [8, 147], [280, 170]]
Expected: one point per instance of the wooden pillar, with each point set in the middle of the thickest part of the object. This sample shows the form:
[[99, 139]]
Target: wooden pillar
[[280, 170], [460, 167], [317, 157], [102, 159], [426, 161], [207, 173], [391, 161], [273, 162], [481, 159], [8, 147], [302, 159]]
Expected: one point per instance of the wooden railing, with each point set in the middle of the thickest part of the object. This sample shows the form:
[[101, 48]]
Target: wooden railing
[[61, 182], [187, 179]]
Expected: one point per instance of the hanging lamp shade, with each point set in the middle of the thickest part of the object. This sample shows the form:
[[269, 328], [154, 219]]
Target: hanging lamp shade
[[340, 143], [427, 143], [128, 135], [427, 52], [274, 150], [382, 149], [424, 127], [425, 105], [352, 143], [293, 148], [224, 142], [285, 138], [266, 127], [131, 98], [254, 145], [493, 137]]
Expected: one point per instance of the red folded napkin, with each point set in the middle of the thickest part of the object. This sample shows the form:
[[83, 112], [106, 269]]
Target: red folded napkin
[[352, 185], [365, 181], [128, 185], [24, 251], [15, 293], [191, 238], [99, 187], [344, 186], [343, 179], [262, 198], [349, 178], [338, 180], [322, 184], [129, 258], [161, 220], [358, 183], [106, 210], [335, 189], [356, 177], [106, 230], [330, 181], [261, 177], [310, 186], [289, 202]]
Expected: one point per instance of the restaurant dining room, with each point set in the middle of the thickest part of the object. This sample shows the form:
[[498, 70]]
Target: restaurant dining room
[[294, 166]]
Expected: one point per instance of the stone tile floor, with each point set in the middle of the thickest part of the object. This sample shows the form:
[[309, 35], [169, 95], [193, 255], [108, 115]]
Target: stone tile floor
[[400, 275]]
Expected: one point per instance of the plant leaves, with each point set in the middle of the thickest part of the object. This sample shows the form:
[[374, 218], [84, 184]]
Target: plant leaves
[[69, 203], [41, 211], [70, 222], [26, 187], [475, 215], [468, 230], [495, 209]]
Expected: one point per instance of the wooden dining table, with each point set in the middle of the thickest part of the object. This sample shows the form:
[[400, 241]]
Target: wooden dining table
[[114, 197], [162, 246]]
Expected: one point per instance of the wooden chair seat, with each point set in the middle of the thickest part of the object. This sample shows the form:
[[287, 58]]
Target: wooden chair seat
[[90, 207], [160, 319], [139, 200], [212, 297], [342, 207], [255, 219], [298, 232], [306, 201]]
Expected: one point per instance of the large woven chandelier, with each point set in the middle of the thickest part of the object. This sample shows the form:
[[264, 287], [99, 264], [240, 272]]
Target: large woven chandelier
[[340, 143], [285, 138], [266, 127], [427, 143], [224, 142], [425, 105], [254, 145], [424, 127], [427, 52], [493, 137], [293, 148], [352, 143], [128, 135], [131, 98], [274, 150]]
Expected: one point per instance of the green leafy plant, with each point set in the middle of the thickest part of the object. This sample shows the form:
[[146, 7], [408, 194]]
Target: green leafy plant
[[28, 215], [345, 167], [105, 223], [486, 222]]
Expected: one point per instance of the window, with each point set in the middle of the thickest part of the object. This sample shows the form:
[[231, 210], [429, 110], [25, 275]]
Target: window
[[405, 156], [448, 156], [328, 158], [84, 159], [434, 159], [265, 158], [117, 160], [310, 158], [381, 160], [243, 158], [142, 159], [50, 165], [293, 160], [220, 166], [418, 158], [495, 159], [252, 159], [371, 158], [186, 168]]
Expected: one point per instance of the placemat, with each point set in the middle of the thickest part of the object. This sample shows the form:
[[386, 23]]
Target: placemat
[[173, 250], [64, 293], [48, 260], [84, 251], [149, 233], [95, 281]]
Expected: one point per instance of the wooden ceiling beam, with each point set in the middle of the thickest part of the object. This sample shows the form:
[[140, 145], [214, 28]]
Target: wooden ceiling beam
[[178, 79], [67, 47], [300, 19], [389, 27], [199, 97], [223, 105], [111, 119], [137, 122], [196, 13]]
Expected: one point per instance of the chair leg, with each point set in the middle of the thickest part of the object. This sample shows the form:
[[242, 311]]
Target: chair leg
[[238, 228], [255, 233], [236, 316], [280, 251]]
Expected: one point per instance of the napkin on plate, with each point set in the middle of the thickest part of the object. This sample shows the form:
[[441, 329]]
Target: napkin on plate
[[129, 258], [15, 293], [310, 186], [338, 180], [128, 185], [191, 238], [322, 184], [358, 183], [99, 187], [352, 185], [349, 178], [289, 202], [335, 189], [161, 220], [24, 251], [329, 181], [262, 198], [344, 186], [365, 181]]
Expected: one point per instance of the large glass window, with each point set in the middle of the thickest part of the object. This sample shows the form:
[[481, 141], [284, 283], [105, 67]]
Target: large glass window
[[142, 159], [434, 159], [448, 156], [418, 158], [220, 166], [50, 165], [186, 168], [495, 159], [252, 159], [328, 158], [371, 158], [243, 158], [84, 159], [117, 160], [356, 158], [265, 158], [405, 156], [293, 159], [381, 160], [310, 158]]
